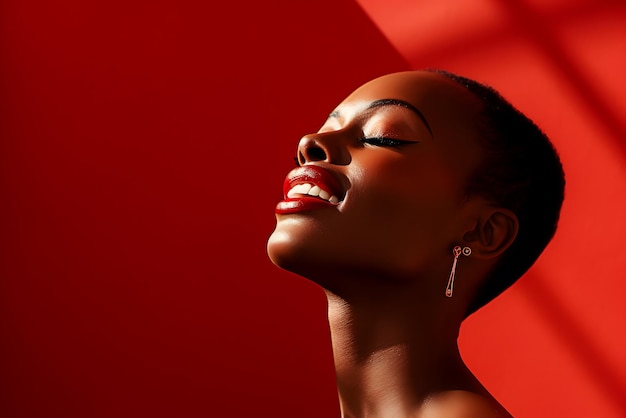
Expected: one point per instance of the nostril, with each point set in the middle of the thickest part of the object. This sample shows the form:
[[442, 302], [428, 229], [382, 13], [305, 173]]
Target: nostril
[[316, 154], [310, 150]]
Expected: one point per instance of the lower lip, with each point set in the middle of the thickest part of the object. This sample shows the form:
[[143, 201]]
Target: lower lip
[[301, 205]]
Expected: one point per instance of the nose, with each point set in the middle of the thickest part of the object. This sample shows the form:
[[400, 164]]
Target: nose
[[325, 147]]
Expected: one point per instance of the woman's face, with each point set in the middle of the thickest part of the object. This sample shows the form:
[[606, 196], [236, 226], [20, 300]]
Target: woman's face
[[392, 162]]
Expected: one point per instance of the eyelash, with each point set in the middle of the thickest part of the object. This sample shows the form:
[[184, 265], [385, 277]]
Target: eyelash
[[380, 141]]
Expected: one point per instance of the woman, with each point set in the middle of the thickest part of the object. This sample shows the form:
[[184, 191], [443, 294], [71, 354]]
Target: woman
[[422, 197]]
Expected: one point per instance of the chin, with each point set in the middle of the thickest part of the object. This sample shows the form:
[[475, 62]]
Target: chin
[[287, 252], [278, 248], [297, 256], [293, 243]]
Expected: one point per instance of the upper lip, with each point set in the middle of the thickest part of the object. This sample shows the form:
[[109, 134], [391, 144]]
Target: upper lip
[[314, 175]]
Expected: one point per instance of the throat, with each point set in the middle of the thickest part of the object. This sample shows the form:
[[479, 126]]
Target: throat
[[387, 361]]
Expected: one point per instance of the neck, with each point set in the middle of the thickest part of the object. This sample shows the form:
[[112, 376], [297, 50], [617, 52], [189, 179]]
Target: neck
[[391, 353]]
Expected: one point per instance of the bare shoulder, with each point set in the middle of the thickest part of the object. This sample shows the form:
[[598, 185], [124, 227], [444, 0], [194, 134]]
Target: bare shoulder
[[462, 404]]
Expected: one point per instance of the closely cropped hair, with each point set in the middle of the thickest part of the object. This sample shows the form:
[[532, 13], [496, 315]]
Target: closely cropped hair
[[522, 172]]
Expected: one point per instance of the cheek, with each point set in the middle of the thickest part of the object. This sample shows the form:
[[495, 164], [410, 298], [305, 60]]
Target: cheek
[[408, 208], [409, 186]]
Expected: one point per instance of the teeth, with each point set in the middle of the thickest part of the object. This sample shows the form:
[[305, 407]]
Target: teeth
[[299, 189], [315, 191], [311, 190]]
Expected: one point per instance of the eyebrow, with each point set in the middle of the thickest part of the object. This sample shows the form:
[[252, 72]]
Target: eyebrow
[[393, 102]]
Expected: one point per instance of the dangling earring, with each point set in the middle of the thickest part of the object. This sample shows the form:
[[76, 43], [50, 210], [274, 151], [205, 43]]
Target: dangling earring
[[457, 251]]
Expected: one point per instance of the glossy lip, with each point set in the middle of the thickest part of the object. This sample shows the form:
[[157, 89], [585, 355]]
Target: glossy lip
[[313, 175]]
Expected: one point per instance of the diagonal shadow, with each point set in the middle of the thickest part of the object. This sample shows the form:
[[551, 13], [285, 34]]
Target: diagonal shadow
[[546, 41], [564, 326], [538, 31]]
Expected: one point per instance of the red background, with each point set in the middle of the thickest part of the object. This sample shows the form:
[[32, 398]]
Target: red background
[[142, 150]]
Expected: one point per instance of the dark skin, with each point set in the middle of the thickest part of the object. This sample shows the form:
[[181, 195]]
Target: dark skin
[[384, 252]]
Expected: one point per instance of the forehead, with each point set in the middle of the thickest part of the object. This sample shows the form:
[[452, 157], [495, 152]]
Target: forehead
[[447, 106]]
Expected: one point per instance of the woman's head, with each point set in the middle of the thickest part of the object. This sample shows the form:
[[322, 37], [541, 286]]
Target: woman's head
[[408, 161]]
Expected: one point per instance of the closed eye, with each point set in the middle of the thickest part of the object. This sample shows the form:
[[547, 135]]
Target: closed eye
[[385, 142]]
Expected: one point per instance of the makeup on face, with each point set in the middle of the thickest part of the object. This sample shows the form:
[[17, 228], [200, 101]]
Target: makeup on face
[[380, 185]]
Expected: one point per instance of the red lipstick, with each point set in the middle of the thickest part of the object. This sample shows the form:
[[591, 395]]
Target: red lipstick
[[324, 191]]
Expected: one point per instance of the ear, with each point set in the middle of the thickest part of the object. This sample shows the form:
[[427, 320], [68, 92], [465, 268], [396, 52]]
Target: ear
[[493, 233]]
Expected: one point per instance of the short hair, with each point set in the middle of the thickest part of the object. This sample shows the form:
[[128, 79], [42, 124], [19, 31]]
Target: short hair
[[521, 171]]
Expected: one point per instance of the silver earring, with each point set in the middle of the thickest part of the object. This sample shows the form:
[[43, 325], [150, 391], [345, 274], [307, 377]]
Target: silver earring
[[457, 251]]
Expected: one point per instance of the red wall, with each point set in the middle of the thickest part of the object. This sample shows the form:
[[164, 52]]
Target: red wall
[[142, 150]]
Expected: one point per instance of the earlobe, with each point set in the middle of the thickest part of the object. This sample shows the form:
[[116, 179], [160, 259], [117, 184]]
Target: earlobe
[[493, 233]]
